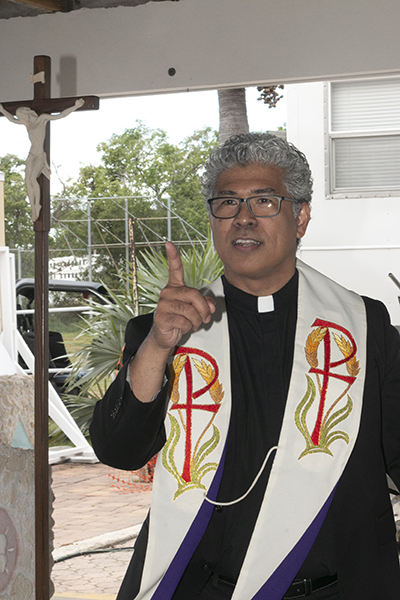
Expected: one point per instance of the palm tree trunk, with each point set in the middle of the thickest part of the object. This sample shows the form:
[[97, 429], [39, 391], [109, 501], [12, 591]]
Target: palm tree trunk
[[232, 113]]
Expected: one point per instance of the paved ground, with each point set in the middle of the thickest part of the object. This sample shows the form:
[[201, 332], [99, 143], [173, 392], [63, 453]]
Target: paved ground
[[92, 500]]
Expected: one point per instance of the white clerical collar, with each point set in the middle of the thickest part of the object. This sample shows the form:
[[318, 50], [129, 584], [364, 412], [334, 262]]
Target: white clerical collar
[[265, 304]]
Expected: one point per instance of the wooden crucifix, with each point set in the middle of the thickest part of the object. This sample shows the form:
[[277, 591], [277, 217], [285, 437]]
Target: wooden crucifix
[[43, 106]]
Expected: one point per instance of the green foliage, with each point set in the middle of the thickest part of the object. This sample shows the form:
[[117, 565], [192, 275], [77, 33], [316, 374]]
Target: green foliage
[[18, 222], [140, 164], [143, 164], [17, 211]]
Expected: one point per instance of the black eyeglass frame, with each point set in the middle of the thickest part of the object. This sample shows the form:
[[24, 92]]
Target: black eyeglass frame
[[247, 200]]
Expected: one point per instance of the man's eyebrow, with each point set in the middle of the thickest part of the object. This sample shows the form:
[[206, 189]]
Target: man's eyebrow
[[264, 191], [253, 192]]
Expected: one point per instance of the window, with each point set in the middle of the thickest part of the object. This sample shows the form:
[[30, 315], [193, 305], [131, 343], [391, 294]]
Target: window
[[364, 138]]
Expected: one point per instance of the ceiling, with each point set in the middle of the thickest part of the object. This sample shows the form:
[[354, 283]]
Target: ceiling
[[31, 8]]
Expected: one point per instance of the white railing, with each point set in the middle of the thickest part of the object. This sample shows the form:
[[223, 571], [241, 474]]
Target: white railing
[[82, 451]]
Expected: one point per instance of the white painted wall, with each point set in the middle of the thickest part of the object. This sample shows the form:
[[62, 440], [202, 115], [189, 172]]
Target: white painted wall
[[355, 241], [210, 43]]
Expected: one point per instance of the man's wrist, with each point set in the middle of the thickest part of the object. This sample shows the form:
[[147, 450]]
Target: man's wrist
[[161, 350], [128, 379], [147, 371]]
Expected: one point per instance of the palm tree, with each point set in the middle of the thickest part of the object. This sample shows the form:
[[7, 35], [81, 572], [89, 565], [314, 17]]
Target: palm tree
[[233, 112]]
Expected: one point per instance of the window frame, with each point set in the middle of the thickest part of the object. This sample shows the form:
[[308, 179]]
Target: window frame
[[332, 192]]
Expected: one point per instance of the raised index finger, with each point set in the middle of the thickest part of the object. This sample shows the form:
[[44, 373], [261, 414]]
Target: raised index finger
[[175, 268]]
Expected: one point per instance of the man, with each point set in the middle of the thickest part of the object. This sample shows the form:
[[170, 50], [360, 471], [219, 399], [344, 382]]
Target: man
[[281, 416]]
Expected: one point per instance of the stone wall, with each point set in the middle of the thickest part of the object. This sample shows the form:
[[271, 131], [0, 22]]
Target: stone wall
[[17, 488], [16, 405], [17, 524]]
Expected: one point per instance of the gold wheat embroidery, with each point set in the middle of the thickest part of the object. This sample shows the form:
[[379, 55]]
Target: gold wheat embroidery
[[345, 347], [175, 370], [311, 349], [325, 431], [208, 374]]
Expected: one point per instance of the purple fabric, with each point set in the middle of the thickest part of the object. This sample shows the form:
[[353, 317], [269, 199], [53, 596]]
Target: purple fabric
[[282, 577], [173, 575], [277, 584]]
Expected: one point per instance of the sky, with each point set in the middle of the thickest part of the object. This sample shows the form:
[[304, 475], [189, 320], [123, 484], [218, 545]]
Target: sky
[[74, 139]]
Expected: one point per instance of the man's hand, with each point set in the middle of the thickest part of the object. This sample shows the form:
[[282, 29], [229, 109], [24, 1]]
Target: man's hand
[[180, 309]]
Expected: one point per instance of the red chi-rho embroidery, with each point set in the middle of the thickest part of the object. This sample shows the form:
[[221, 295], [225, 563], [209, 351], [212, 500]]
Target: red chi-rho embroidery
[[331, 410], [194, 467]]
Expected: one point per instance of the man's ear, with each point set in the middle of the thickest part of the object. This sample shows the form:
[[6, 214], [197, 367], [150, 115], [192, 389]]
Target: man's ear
[[303, 219], [211, 221]]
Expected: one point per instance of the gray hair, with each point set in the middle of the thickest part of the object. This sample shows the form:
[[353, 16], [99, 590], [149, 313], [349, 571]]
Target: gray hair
[[261, 148]]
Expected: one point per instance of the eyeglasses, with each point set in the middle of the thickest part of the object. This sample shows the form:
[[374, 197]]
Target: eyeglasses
[[259, 206]]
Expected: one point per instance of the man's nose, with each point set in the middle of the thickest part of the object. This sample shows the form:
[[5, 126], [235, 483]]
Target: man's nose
[[244, 217]]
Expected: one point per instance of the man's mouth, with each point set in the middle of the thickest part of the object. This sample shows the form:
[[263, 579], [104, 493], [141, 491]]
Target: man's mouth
[[246, 243]]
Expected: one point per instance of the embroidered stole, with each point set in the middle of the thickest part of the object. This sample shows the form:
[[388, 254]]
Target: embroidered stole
[[318, 433]]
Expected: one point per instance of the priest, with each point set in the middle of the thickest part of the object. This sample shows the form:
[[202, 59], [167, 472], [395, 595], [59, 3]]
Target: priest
[[272, 398]]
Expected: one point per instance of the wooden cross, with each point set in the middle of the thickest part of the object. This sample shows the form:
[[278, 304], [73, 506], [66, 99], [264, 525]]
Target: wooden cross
[[43, 103]]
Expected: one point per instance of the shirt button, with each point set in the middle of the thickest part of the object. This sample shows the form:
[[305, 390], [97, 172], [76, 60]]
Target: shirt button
[[219, 509]]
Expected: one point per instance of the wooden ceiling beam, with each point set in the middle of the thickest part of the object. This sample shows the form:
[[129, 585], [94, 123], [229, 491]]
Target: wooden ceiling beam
[[51, 5]]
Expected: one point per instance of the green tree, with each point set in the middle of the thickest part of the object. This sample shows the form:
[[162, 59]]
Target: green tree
[[142, 163], [17, 211]]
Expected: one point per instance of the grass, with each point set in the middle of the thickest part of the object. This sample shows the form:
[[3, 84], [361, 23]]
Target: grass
[[70, 327], [74, 342]]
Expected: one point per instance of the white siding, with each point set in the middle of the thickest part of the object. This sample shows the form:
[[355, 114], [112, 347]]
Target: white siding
[[355, 241]]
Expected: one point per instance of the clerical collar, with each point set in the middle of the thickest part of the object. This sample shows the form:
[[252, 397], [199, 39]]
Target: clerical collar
[[265, 304], [261, 304]]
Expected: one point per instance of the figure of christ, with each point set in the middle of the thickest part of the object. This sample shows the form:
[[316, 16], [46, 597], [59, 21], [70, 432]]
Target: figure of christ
[[36, 162]]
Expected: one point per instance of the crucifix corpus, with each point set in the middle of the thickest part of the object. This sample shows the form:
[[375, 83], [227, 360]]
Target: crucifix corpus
[[36, 115], [36, 163]]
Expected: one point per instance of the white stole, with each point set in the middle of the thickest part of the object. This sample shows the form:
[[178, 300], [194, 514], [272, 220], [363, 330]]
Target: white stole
[[319, 430]]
